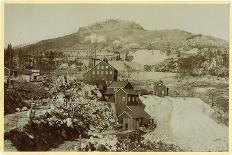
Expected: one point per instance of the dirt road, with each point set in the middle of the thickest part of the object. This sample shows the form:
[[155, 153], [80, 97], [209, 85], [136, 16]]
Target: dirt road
[[186, 122]]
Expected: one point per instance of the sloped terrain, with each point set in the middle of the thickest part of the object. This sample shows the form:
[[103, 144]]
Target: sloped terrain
[[169, 50], [151, 57], [126, 34], [122, 66], [186, 122]]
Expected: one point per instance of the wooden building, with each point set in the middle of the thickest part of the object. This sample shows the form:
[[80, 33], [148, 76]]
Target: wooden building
[[79, 51], [133, 118], [121, 95], [130, 110], [114, 87], [31, 75], [102, 71], [159, 89], [10, 75]]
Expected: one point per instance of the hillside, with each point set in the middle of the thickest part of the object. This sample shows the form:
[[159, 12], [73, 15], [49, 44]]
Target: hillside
[[125, 35], [169, 50]]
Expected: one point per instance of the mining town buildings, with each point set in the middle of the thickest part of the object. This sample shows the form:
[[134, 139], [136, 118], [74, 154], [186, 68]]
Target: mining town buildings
[[159, 89], [114, 87], [102, 71], [126, 103]]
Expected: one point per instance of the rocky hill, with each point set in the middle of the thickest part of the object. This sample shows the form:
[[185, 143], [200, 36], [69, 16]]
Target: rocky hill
[[181, 51], [126, 35]]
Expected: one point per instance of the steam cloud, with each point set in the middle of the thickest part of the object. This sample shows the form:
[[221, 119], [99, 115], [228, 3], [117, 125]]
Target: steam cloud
[[96, 38]]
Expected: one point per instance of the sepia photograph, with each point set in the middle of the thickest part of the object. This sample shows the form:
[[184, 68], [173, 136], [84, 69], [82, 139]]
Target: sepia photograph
[[116, 77]]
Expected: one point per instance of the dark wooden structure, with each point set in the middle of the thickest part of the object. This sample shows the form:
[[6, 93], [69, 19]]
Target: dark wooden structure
[[102, 71], [123, 98], [160, 89], [130, 110], [114, 87]]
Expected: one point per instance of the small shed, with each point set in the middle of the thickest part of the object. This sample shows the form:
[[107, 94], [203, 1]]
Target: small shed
[[133, 118], [159, 89]]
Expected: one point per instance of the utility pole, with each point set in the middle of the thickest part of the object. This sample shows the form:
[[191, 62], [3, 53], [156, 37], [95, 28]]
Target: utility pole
[[95, 52]]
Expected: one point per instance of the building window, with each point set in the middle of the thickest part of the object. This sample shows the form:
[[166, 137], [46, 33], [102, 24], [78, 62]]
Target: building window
[[123, 98], [102, 67], [128, 98], [15, 73], [133, 99], [110, 72], [162, 92], [98, 66], [106, 67], [102, 72], [97, 72], [126, 126], [93, 72], [121, 120], [106, 72]]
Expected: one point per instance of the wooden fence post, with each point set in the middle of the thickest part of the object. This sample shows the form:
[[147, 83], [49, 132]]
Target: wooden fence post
[[80, 142]]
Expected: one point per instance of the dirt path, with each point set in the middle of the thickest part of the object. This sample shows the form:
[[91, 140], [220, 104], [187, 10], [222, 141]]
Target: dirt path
[[195, 130], [162, 132], [16, 120], [186, 123], [70, 145]]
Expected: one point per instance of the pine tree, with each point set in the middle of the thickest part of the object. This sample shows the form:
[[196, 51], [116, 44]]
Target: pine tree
[[8, 56]]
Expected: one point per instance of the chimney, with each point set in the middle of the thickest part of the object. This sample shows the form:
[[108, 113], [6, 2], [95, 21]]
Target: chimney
[[105, 59]]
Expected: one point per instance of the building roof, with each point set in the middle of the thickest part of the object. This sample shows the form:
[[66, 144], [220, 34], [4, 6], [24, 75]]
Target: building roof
[[161, 86], [136, 112], [159, 83], [98, 64], [109, 91], [131, 91], [118, 84], [6, 68]]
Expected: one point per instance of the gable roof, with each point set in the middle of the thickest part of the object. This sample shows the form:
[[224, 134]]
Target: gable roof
[[118, 84], [135, 112], [129, 91], [161, 87], [125, 112], [159, 83], [98, 64]]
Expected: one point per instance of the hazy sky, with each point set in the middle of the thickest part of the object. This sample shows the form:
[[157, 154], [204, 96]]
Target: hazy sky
[[28, 23]]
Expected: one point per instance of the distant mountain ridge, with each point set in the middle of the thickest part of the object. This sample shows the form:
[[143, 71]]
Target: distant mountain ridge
[[127, 34]]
